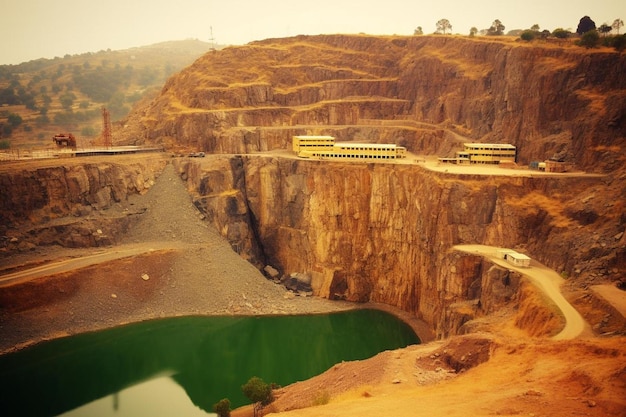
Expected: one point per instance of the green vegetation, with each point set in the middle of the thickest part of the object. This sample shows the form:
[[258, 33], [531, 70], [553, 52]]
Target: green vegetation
[[222, 408], [496, 29], [585, 25], [67, 93], [528, 35], [443, 26], [589, 39], [5, 144], [259, 392]]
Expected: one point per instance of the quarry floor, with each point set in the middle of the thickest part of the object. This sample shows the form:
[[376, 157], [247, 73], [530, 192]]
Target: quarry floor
[[171, 263]]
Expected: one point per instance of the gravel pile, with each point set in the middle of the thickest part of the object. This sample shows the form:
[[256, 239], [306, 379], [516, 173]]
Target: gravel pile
[[199, 274]]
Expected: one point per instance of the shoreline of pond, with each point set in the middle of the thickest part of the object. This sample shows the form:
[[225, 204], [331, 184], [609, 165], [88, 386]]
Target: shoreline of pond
[[419, 327]]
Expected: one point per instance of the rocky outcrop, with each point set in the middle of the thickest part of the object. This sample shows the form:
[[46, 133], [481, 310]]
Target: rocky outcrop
[[423, 92], [73, 205]]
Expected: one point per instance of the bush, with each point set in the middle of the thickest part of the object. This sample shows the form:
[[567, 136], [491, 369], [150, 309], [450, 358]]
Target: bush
[[222, 408], [560, 33], [5, 144], [528, 35], [258, 392], [14, 119], [589, 39], [619, 42]]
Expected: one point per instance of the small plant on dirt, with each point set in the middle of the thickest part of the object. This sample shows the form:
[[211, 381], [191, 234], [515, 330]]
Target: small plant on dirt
[[222, 408], [322, 398], [258, 392]]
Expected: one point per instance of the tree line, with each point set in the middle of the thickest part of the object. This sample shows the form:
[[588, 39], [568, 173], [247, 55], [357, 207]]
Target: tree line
[[589, 35]]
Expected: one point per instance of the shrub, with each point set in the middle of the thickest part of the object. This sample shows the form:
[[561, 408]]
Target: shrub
[[589, 39], [258, 392], [528, 35], [222, 408]]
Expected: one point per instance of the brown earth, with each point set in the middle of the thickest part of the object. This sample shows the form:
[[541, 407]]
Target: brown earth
[[184, 267], [195, 271]]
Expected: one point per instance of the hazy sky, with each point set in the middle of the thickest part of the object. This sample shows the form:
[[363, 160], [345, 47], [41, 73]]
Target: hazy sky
[[32, 29]]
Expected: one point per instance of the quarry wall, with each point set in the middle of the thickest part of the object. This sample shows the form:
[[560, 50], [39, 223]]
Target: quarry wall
[[47, 203], [545, 98], [385, 232]]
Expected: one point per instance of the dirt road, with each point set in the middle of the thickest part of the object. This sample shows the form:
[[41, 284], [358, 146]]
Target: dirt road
[[545, 279], [71, 264]]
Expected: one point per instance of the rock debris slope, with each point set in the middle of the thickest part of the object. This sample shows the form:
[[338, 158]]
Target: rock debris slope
[[186, 268]]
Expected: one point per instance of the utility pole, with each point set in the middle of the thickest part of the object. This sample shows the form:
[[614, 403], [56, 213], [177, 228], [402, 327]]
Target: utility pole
[[106, 128]]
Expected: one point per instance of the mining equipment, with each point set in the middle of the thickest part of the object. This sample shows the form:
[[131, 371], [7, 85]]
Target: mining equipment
[[64, 139]]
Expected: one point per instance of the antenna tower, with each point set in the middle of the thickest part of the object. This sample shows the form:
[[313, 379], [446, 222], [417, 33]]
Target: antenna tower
[[106, 127], [212, 39]]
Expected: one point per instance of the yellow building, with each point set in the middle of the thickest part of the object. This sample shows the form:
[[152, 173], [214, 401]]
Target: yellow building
[[325, 147], [487, 153], [311, 143]]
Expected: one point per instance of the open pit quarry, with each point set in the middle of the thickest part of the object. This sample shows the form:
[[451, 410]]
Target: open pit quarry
[[381, 233]]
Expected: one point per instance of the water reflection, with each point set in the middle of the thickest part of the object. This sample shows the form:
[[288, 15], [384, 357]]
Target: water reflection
[[208, 357], [160, 397]]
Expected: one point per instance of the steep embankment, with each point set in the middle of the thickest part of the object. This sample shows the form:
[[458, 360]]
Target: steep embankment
[[73, 204], [421, 92], [385, 232]]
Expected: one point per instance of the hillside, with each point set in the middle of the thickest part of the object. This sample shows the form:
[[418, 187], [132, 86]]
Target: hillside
[[66, 94], [424, 92]]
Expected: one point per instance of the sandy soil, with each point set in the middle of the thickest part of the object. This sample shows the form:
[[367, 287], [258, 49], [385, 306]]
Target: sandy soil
[[171, 263]]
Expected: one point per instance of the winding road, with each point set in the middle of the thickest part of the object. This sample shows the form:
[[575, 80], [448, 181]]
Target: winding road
[[547, 280]]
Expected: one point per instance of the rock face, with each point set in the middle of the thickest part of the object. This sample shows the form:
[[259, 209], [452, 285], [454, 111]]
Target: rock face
[[424, 92], [68, 204], [384, 232]]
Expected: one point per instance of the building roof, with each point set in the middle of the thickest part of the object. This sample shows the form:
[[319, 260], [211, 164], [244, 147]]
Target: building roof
[[366, 145], [489, 145], [314, 137]]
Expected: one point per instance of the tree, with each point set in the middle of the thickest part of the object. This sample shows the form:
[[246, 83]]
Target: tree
[[67, 100], [604, 29], [535, 27], [585, 25], [14, 119], [222, 408], [258, 392], [528, 35], [560, 33], [443, 25], [473, 31], [617, 25], [497, 28], [589, 39], [418, 31], [619, 43]]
